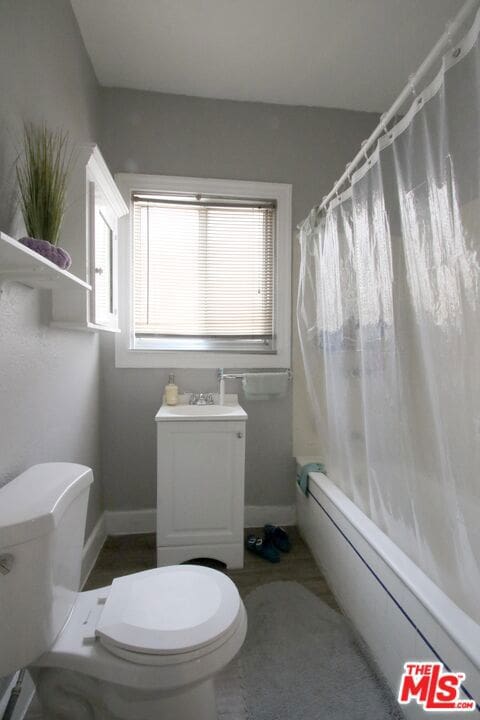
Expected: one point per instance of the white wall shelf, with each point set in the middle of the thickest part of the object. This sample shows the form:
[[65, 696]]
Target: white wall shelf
[[82, 327], [20, 264]]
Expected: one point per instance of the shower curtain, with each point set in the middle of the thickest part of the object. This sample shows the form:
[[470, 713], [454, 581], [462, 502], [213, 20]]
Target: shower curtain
[[389, 325]]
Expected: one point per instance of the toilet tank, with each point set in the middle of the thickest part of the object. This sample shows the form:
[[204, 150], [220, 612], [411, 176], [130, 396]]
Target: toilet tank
[[42, 527]]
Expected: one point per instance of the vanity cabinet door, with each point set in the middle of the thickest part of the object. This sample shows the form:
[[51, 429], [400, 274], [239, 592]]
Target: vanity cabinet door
[[200, 493]]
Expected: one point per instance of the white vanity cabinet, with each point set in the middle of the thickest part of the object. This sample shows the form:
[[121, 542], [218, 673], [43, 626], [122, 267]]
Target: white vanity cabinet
[[200, 484]]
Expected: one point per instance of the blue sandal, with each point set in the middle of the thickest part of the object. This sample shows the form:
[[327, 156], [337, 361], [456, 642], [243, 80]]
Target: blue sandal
[[262, 547], [278, 537]]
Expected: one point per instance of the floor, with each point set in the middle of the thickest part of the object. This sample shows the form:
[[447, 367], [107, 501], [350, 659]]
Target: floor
[[125, 554]]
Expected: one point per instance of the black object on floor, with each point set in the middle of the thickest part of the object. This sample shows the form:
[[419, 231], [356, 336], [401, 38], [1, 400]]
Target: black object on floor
[[263, 547]]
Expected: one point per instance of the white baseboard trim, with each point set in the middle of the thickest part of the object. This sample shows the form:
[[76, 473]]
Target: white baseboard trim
[[133, 522], [92, 548], [258, 515], [130, 522]]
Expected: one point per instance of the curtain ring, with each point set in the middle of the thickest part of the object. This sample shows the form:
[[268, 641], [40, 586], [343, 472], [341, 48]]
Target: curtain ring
[[363, 144], [411, 84], [450, 38], [323, 206], [448, 33]]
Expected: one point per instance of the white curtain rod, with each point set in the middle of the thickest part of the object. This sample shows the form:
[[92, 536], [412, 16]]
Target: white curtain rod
[[438, 49]]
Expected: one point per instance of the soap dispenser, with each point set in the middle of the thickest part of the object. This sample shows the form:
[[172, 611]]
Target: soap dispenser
[[171, 391]]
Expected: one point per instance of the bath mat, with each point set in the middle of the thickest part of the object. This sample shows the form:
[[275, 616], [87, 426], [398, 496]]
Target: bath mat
[[301, 661], [230, 693]]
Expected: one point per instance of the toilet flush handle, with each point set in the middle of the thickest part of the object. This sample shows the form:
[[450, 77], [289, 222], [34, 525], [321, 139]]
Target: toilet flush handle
[[6, 563]]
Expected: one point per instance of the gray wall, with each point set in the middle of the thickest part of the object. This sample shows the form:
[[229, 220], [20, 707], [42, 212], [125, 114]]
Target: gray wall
[[176, 135], [49, 379]]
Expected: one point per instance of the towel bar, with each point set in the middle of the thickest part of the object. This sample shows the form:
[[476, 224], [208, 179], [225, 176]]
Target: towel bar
[[239, 376]]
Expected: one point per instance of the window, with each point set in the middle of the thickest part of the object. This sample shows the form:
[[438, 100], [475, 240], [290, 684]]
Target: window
[[223, 252], [206, 273]]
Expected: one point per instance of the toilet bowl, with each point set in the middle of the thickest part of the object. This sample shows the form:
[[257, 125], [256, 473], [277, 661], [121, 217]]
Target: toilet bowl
[[146, 647]]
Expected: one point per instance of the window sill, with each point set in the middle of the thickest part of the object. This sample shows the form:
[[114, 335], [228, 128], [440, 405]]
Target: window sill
[[125, 358]]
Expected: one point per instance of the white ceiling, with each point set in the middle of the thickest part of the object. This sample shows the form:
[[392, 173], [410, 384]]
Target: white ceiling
[[353, 54]]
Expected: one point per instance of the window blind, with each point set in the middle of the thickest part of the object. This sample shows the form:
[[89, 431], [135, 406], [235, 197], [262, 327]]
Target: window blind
[[203, 267]]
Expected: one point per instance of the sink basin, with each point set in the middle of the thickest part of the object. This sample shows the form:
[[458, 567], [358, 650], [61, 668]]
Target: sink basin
[[201, 410], [230, 410]]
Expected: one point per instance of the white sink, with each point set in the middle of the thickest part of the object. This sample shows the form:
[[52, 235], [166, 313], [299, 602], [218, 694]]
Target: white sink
[[201, 410], [230, 410]]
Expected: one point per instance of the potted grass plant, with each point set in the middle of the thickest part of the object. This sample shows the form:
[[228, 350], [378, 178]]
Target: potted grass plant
[[42, 172]]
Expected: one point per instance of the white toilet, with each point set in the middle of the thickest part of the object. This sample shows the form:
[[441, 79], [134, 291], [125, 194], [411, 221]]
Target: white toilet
[[146, 647]]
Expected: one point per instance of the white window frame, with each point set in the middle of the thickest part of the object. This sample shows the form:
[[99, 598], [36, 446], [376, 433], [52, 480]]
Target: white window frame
[[125, 353]]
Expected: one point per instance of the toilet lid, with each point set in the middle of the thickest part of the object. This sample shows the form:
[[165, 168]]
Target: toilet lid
[[168, 610]]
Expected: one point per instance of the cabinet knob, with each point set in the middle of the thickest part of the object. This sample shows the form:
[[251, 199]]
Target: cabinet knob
[[239, 435]]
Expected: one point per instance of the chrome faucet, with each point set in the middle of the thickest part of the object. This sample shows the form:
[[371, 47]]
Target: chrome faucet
[[201, 399]]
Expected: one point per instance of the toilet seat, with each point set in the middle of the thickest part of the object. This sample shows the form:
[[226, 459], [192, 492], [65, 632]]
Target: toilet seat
[[78, 648], [168, 611]]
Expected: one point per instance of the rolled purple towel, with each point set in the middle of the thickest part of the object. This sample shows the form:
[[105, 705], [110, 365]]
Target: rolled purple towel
[[57, 255]]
